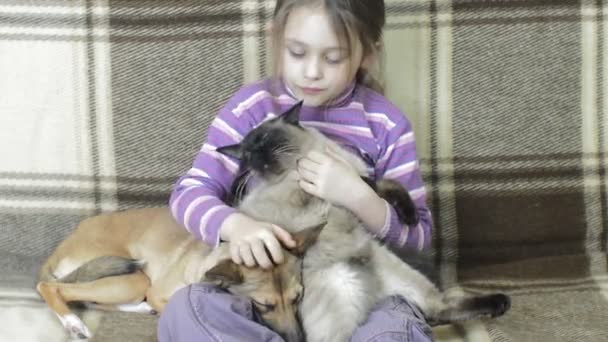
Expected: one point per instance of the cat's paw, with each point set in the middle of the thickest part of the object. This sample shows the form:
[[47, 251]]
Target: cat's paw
[[398, 197], [501, 304]]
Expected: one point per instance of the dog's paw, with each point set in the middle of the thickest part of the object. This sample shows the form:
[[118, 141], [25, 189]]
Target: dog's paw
[[142, 307], [75, 327]]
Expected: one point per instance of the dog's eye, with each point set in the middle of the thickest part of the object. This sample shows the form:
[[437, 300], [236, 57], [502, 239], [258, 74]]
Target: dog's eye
[[297, 299], [264, 307]]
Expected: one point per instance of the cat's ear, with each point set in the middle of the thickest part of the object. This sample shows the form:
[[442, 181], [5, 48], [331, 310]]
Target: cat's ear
[[306, 238], [292, 115], [231, 150]]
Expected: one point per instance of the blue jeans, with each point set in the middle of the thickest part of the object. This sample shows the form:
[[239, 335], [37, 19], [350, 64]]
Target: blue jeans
[[205, 313]]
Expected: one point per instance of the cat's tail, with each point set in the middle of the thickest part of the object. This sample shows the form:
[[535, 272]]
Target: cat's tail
[[439, 307], [463, 308]]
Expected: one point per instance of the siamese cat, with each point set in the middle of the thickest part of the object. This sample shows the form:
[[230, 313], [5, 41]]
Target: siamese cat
[[347, 271]]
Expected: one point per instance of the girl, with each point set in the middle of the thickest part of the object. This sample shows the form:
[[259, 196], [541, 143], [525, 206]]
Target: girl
[[325, 51]]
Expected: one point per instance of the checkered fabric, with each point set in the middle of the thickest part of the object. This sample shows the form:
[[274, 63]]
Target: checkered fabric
[[105, 103]]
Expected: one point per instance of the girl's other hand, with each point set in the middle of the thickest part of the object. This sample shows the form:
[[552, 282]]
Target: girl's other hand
[[328, 176]]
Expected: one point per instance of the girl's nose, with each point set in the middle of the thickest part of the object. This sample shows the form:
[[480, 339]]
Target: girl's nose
[[312, 69]]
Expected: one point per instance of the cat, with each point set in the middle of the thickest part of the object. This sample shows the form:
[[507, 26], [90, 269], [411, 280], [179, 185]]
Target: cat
[[347, 271]]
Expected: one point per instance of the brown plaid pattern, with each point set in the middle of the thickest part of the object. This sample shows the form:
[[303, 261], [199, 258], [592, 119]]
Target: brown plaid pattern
[[104, 103]]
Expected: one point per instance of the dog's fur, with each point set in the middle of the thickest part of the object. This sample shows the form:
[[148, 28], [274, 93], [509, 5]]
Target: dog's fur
[[347, 271], [143, 254]]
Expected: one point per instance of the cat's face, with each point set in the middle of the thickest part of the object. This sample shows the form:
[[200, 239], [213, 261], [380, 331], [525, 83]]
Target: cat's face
[[272, 148]]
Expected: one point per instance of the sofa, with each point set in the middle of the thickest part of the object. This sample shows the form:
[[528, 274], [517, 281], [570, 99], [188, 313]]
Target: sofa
[[105, 103]]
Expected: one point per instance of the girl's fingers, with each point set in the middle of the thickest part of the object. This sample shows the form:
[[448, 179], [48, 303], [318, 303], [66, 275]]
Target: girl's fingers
[[308, 164], [334, 154], [315, 157], [246, 255], [331, 151], [308, 187], [307, 175], [284, 236], [234, 254], [274, 248], [260, 255]]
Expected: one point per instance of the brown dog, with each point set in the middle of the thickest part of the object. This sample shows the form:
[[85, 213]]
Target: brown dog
[[143, 256]]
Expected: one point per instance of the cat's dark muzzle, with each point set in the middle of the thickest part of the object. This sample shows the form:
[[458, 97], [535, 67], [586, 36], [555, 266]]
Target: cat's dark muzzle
[[267, 169]]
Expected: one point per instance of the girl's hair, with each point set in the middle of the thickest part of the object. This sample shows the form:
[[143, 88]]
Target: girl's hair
[[351, 20]]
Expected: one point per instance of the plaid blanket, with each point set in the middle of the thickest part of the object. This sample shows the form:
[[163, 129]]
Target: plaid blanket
[[104, 103]]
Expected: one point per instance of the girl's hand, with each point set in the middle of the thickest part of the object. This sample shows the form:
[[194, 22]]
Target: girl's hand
[[328, 176], [253, 242]]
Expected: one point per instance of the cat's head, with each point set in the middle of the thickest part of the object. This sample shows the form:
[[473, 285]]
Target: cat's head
[[272, 148]]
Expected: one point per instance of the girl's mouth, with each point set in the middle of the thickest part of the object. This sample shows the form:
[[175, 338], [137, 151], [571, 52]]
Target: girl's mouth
[[311, 91]]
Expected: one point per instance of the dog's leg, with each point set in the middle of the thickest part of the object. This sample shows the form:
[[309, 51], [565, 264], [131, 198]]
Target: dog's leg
[[141, 307], [111, 290], [158, 298]]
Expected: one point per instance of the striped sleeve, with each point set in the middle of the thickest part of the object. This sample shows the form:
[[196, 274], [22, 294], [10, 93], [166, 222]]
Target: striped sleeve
[[398, 161], [197, 199]]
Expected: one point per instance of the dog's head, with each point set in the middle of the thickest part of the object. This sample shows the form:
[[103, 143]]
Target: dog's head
[[275, 292]]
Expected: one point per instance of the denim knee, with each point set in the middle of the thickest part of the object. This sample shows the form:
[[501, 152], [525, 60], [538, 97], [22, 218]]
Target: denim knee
[[205, 313], [394, 319]]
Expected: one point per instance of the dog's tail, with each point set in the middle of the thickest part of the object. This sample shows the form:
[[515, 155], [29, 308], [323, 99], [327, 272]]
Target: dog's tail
[[105, 266]]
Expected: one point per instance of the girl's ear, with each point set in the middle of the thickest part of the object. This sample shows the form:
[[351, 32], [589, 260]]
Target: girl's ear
[[368, 61], [371, 58]]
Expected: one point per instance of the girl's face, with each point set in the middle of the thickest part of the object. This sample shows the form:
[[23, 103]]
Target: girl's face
[[316, 66]]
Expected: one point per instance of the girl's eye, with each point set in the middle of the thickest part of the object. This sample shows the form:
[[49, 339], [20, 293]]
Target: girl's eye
[[296, 53], [334, 59]]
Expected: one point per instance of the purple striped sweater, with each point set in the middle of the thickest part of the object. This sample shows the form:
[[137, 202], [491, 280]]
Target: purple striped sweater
[[360, 120]]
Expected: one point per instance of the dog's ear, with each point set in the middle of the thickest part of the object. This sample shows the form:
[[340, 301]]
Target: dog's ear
[[234, 151], [226, 273], [306, 238], [292, 115]]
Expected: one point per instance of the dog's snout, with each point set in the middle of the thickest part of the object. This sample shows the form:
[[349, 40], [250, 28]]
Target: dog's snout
[[293, 336], [295, 332]]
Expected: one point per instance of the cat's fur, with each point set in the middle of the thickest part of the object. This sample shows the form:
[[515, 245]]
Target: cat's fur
[[347, 272]]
